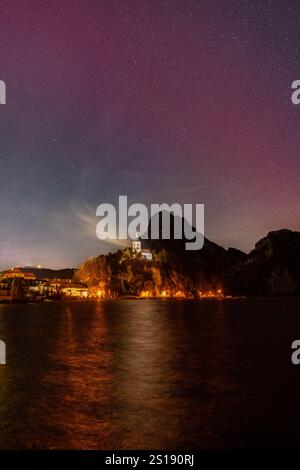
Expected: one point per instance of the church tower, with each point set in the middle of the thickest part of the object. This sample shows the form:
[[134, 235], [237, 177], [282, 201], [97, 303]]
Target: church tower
[[136, 246]]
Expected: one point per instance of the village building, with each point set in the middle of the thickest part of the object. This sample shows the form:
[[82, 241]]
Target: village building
[[17, 273], [76, 291], [137, 248], [5, 291]]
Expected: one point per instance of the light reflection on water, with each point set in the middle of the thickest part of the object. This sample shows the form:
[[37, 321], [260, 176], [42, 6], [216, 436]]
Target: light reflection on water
[[148, 374]]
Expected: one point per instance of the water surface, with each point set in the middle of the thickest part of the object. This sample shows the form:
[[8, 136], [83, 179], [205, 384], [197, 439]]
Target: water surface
[[133, 374]]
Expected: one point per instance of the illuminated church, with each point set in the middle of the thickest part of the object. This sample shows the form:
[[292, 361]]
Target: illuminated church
[[137, 248]]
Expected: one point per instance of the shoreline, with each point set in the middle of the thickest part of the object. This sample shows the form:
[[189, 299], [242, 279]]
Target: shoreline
[[126, 298]]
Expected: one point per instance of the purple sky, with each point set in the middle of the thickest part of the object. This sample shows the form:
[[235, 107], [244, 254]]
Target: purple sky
[[165, 101]]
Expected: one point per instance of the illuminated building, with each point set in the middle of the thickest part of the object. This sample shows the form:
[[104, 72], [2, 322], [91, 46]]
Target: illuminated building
[[17, 272], [137, 248]]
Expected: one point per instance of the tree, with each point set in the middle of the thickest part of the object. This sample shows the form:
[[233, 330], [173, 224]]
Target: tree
[[18, 289]]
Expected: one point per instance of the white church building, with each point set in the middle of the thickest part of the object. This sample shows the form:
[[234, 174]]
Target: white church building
[[137, 248]]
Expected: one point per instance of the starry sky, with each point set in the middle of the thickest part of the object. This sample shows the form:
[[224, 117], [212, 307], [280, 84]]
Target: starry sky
[[164, 101]]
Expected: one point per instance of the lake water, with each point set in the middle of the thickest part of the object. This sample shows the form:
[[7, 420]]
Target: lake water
[[133, 374]]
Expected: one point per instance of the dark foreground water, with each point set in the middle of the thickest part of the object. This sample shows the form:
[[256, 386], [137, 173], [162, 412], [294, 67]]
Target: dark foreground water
[[150, 374]]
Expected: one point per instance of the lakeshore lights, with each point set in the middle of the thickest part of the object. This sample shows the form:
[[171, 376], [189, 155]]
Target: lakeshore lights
[[185, 217], [211, 294], [179, 294], [165, 294], [145, 293]]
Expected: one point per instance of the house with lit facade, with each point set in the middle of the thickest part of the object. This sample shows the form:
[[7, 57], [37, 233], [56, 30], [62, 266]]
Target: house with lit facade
[[17, 273], [76, 291], [137, 248]]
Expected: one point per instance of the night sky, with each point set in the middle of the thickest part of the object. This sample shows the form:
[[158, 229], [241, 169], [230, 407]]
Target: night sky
[[165, 101]]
